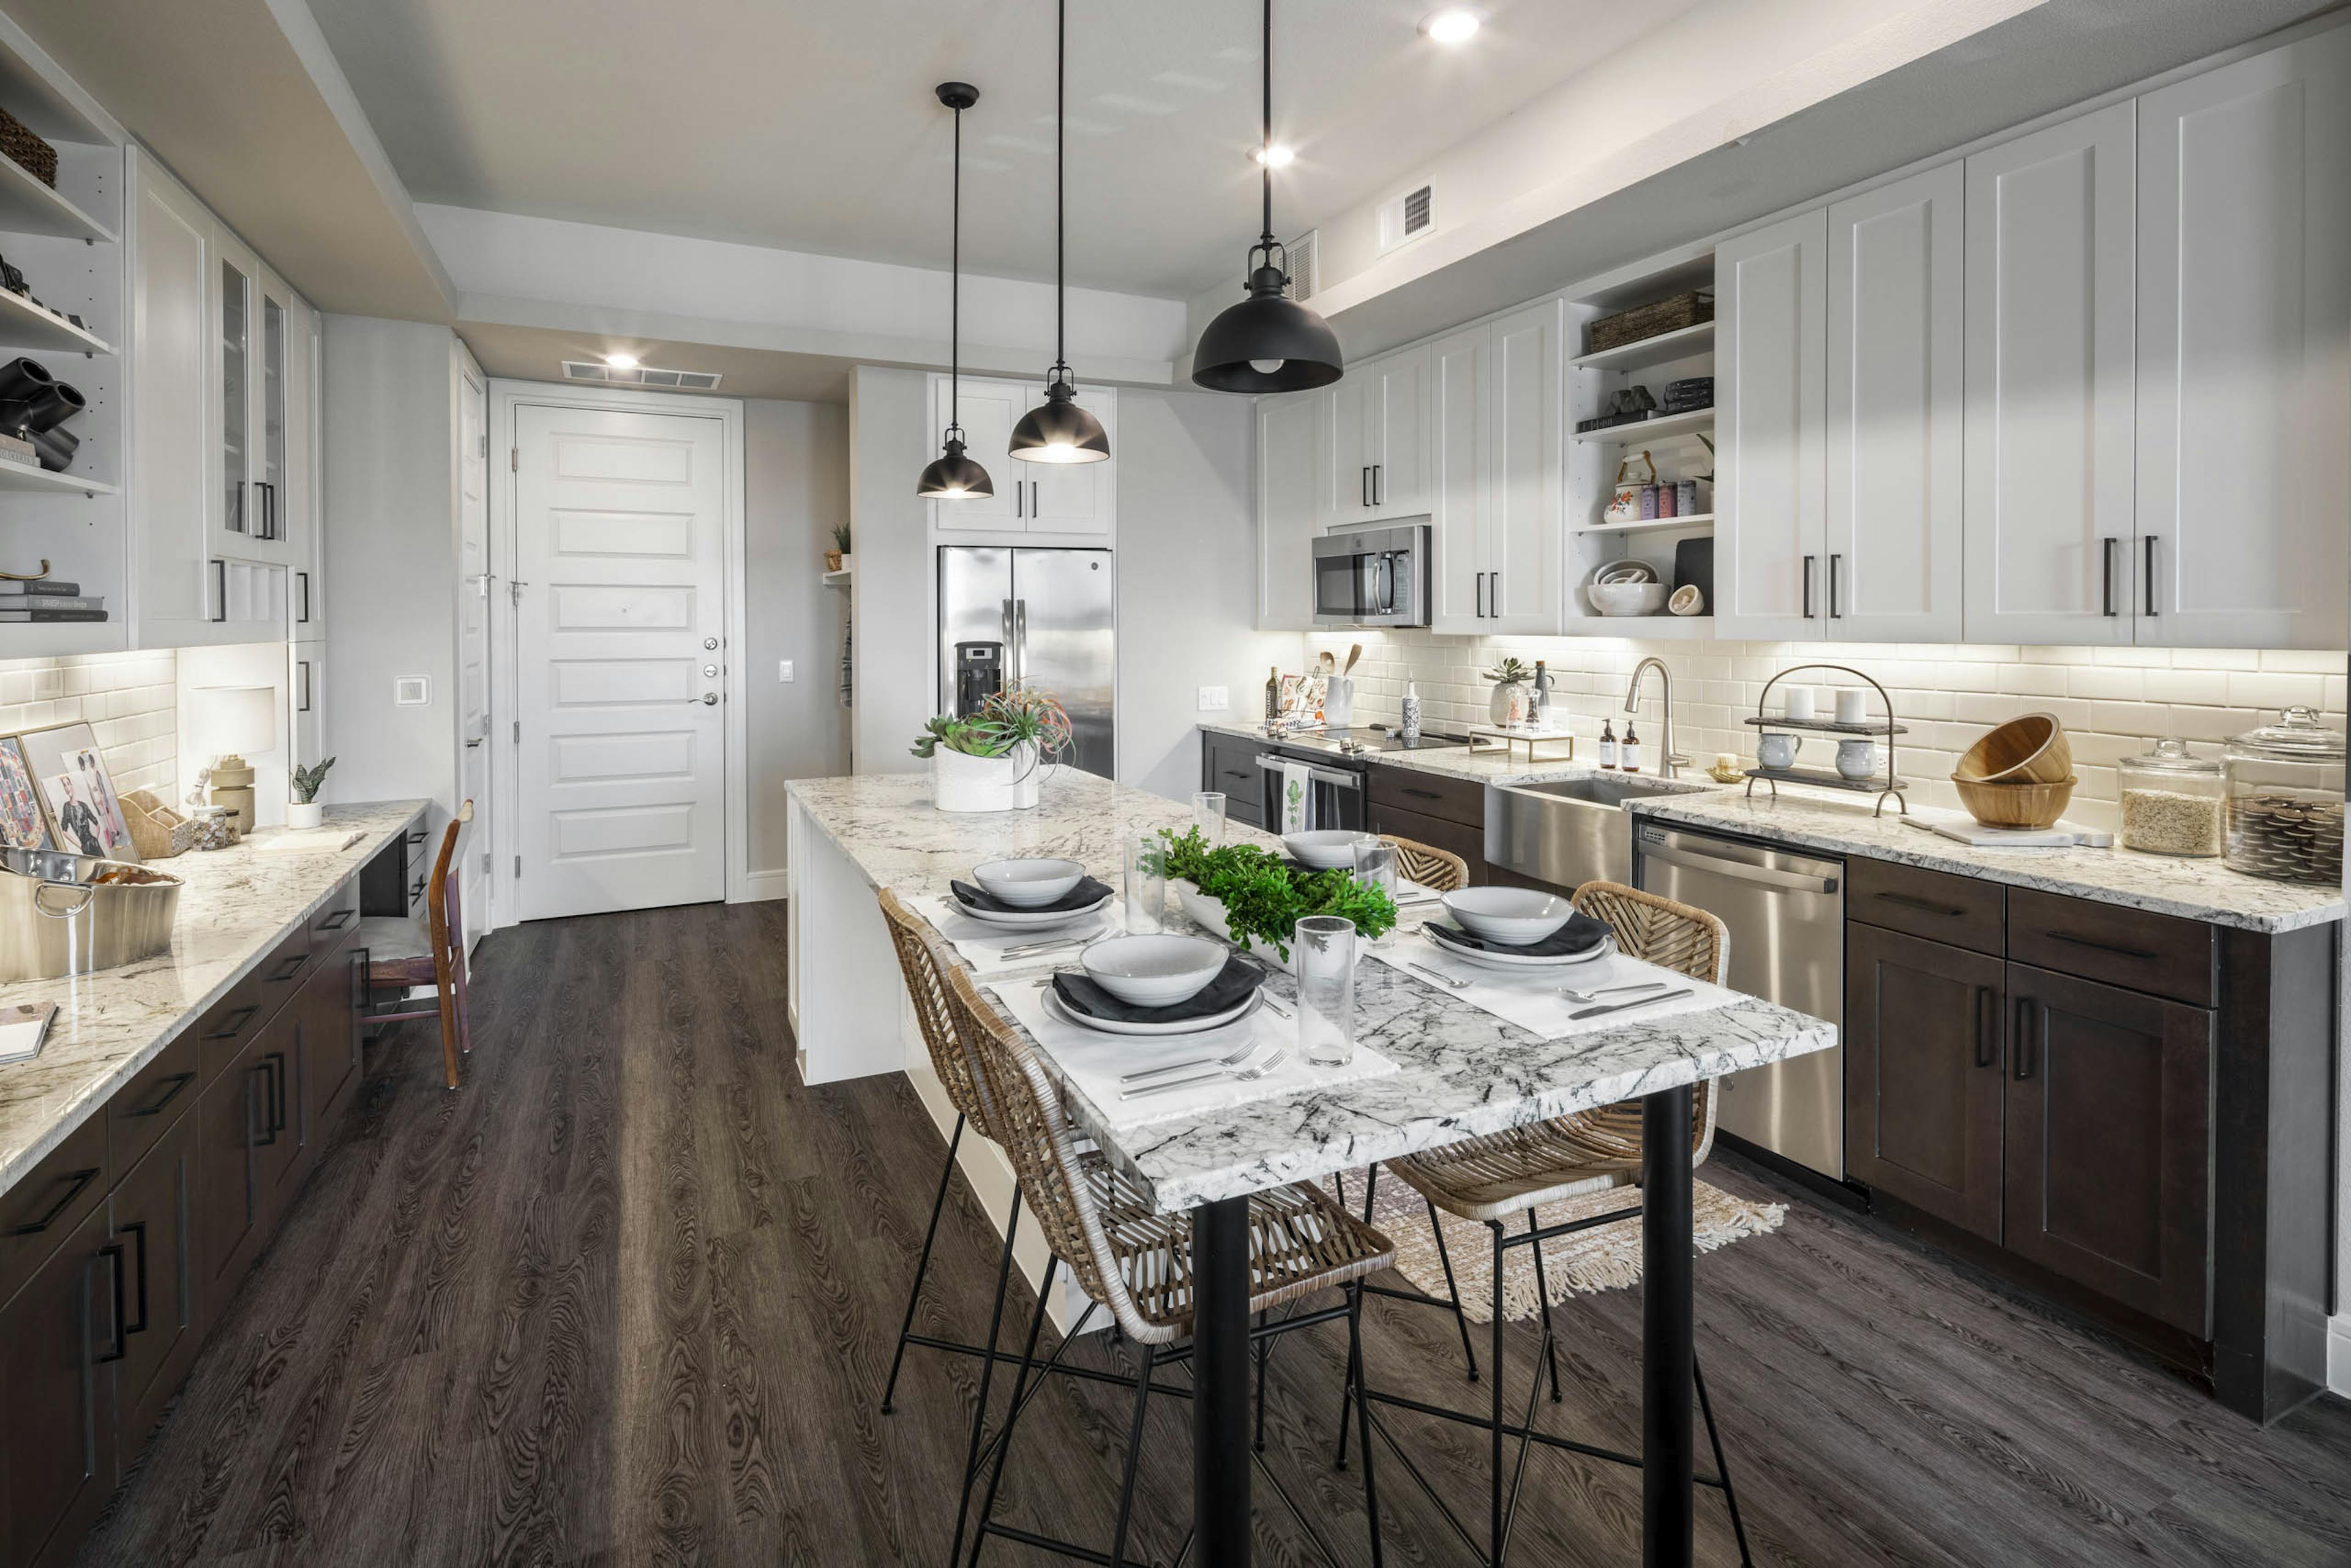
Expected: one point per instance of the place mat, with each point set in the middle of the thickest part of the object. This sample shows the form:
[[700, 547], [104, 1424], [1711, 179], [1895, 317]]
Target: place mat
[[1087, 890], [1081, 994], [983, 945], [1580, 934], [1095, 1062], [1530, 1000]]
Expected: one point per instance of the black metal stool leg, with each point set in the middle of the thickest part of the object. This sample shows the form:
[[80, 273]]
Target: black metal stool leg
[[1257, 1350], [1461, 1320], [1370, 1187], [1542, 1289], [1135, 1453], [922, 1265], [1494, 1366], [987, 1375], [1013, 1412], [1363, 1416], [1721, 1465]]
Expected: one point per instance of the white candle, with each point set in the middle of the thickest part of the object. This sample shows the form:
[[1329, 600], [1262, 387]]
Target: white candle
[[1800, 703]]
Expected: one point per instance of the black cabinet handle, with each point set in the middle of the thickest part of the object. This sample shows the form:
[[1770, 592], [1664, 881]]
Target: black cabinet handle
[[115, 1348], [416, 889], [302, 686], [1833, 561], [273, 1069], [76, 1183], [177, 1082], [302, 592], [1809, 561], [336, 920], [227, 1031], [137, 1230], [1419, 794], [2107, 572], [1379, 483], [2120, 952], [2151, 574], [1924, 905], [220, 589], [1987, 1046], [287, 970], [1363, 484], [2025, 1062], [416, 838]]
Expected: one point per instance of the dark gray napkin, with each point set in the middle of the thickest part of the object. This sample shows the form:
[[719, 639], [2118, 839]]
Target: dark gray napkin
[[1580, 934], [1085, 895], [1230, 990]]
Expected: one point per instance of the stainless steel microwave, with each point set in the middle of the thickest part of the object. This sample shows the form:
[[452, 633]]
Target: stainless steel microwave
[[1373, 577]]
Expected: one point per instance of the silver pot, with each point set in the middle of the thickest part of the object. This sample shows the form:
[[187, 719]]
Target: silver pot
[[57, 918]]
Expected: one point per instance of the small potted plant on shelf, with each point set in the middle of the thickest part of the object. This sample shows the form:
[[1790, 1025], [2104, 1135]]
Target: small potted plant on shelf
[[303, 811], [994, 760], [837, 558], [1510, 697]]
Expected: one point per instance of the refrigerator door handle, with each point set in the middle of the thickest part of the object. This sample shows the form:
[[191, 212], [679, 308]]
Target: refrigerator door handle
[[1020, 642]]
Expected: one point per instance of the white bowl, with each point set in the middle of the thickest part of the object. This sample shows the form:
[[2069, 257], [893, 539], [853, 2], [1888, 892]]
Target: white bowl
[[1154, 971], [1626, 597], [1332, 848], [1028, 884], [1514, 916]]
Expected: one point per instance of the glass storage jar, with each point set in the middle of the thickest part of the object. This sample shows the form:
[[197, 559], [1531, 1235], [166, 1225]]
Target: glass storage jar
[[2173, 801], [2285, 799]]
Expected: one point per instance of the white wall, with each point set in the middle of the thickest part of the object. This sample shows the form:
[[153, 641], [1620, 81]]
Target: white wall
[[238, 664], [127, 699], [1186, 579], [889, 442], [796, 487]]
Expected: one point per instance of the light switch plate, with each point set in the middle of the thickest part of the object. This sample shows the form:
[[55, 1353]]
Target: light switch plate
[[783, 669], [411, 691], [1215, 699]]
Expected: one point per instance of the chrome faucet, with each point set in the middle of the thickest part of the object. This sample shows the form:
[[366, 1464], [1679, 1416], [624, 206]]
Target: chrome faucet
[[1669, 760]]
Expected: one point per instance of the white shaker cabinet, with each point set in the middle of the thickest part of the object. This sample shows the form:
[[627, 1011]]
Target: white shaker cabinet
[[305, 498], [1497, 489], [1073, 498], [2244, 353], [1461, 384], [1288, 508], [1771, 374], [2049, 437], [1891, 550], [1378, 445]]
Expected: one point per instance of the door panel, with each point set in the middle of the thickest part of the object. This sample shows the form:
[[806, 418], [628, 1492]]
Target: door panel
[[1288, 510], [619, 542], [2049, 443], [1463, 481], [1524, 521], [474, 887], [57, 1447], [1065, 628], [1771, 362], [1347, 452], [153, 1210], [1896, 312], [2109, 1149], [1924, 1049]]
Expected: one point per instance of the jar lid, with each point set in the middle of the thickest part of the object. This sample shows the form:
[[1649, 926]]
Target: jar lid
[[2297, 736], [2171, 755]]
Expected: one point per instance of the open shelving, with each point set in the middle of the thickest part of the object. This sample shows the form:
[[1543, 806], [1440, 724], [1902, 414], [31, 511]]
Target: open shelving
[[1662, 348], [26, 326], [16, 479], [1656, 429], [1652, 525]]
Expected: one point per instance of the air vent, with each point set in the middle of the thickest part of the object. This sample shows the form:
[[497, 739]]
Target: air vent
[[1305, 275], [1407, 217], [640, 376]]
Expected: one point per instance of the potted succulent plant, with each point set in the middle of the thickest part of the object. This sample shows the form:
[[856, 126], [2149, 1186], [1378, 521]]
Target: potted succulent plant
[[995, 759], [1510, 680], [303, 811]]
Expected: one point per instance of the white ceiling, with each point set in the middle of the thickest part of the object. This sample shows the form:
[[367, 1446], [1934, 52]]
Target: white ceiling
[[811, 125]]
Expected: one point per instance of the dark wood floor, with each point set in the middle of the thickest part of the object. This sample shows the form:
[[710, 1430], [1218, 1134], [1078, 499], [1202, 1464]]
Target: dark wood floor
[[629, 1297]]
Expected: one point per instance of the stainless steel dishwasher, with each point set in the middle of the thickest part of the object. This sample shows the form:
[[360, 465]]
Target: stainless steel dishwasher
[[1786, 915]]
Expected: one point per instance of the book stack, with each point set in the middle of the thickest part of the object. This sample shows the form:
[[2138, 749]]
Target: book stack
[[49, 599], [17, 450]]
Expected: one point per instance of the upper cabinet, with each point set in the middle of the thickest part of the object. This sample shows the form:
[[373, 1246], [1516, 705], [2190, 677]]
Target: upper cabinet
[[1076, 499], [1379, 441], [2244, 353], [1496, 482], [1288, 508], [1770, 336]]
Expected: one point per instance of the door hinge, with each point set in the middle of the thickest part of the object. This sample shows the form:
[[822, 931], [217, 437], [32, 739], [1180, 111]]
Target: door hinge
[[486, 446], [517, 866], [517, 732], [514, 458], [486, 862]]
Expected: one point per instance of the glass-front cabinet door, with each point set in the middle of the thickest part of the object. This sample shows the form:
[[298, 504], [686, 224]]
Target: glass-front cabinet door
[[233, 383], [254, 380]]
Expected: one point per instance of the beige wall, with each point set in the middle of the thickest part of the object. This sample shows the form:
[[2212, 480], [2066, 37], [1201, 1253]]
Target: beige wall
[[795, 488]]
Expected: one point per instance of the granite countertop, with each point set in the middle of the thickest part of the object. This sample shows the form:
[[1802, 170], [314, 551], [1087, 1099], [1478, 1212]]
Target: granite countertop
[[235, 904], [1495, 766], [1461, 1071], [2166, 884]]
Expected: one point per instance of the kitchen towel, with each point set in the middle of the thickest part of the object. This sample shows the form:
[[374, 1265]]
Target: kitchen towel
[[983, 945], [1297, 796], [1094, 1062], [1530, 1000]]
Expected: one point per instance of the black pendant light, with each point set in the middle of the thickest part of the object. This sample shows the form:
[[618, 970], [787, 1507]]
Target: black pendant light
[[1268, 342], [955, 477], [1061, 432]]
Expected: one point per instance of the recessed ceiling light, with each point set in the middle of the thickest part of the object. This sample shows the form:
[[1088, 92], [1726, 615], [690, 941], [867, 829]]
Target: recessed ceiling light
[[1276, 156], [620, 362], [1453, 25]]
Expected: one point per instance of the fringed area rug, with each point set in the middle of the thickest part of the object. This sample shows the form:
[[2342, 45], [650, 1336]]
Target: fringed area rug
[[1607, 1257]]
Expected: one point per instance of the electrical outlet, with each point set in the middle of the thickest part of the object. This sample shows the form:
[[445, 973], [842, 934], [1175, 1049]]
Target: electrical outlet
[[1215, 699], [783, 669]]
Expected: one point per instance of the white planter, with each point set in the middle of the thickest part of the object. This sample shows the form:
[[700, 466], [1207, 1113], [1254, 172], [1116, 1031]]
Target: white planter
[[960, 782], [1209, 915], [305, 813]]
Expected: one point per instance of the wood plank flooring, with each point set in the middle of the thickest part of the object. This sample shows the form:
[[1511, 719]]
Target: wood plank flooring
[[629, 1297]]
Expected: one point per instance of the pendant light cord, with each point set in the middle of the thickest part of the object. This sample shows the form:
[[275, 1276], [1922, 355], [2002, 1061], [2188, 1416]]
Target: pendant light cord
[[1060, 179], [1265, 145], [954, 289]]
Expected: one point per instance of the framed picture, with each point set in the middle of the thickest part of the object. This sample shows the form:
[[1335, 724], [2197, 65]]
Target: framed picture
[[22, 824], [84, 815]]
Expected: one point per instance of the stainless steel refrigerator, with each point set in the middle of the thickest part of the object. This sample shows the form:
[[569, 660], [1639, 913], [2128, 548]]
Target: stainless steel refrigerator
[[1044, 618]]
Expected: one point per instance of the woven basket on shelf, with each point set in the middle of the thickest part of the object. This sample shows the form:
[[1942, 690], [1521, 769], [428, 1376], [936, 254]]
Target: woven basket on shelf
[[1647, 322], [157, 832], [36, 156]]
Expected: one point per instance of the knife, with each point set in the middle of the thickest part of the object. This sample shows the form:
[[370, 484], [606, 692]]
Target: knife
[[1637, 1002]]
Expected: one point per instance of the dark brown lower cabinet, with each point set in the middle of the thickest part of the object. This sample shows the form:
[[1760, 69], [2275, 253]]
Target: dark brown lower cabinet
[[153, 1216], [58, 1341], [247, 1144], [2109, 1128], [1468, 843], [1925, 1053], [1228, 765], [330, 1041]]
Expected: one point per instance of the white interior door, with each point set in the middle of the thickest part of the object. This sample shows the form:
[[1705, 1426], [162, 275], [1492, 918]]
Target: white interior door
[[474, 883], [620, 541]]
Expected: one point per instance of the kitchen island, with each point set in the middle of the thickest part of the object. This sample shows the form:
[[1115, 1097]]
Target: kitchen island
[[1460, 1072]]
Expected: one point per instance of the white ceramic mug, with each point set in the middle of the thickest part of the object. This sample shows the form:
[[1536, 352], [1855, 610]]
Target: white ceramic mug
[[1857, 757], [1799, 704], [1777, 751]]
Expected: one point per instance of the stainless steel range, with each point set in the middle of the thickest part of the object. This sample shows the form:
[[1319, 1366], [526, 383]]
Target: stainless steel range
[[1339, 758]]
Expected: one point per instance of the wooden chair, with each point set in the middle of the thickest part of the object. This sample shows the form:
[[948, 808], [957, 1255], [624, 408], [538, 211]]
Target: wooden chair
[[400, 955], [1136, 1263], [1440, 870]]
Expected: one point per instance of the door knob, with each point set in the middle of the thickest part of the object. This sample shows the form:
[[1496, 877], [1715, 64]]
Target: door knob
[[709, 698], [710, 672], [710, 641]]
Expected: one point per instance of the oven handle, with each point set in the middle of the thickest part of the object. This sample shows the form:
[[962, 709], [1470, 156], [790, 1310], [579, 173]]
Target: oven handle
[[1330, 776]]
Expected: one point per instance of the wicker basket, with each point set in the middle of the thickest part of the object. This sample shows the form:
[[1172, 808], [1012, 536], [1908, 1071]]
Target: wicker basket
[[157, 832], [17, 140], [1647, 322]]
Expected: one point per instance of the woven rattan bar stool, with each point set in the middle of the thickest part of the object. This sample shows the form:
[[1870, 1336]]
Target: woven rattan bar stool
[[1492, 1178], [1440, 870], [1137, 1264]]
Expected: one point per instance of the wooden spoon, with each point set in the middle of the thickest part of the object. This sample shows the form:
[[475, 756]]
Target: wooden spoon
[[1353, 653]]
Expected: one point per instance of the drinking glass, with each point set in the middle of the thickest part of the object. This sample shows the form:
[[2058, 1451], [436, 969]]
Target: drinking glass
[[1324, 947], [1146, 885], [1208, 815], [1375, 865]]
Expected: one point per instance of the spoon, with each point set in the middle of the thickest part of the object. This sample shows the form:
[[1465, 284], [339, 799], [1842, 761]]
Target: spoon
[[1573, 995], [1446, 980]]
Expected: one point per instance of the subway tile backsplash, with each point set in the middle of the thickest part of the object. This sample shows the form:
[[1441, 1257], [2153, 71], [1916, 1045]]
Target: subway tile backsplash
[[130, 702], [2112, 701]]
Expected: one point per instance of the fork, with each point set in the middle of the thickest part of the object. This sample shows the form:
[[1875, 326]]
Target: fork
[[1029, 949], [1573, 995], [1243, 1076], [1248, 1049]]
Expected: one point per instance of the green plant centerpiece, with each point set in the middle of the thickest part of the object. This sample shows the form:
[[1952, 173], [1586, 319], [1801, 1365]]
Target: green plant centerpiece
[[1009, 739], [1264, 895], [307, 780], [1510, 680]]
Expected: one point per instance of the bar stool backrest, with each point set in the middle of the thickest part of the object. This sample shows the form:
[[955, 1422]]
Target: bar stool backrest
[[1677, 937], [924, 966], [1440, 870]]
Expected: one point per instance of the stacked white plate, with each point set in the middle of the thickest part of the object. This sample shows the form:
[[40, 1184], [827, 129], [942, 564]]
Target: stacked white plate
[[1070, 1015], [1030, 919], [1502, 958]]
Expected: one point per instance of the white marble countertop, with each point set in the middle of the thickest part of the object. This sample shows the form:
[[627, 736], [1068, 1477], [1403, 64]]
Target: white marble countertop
[[1460, 1071], [235, 905], [2165, 885], [1453, 761]]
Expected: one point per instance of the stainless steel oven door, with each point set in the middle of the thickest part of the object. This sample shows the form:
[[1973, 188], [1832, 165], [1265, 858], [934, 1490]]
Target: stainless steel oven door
[[1338, 793]]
